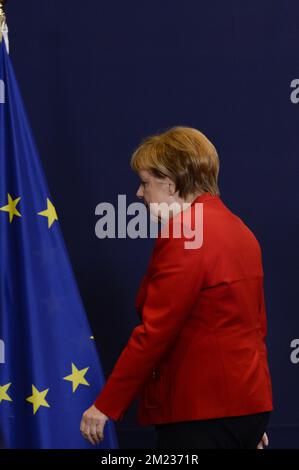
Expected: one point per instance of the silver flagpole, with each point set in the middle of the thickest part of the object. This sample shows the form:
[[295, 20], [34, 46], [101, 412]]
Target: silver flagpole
[[3, 26]]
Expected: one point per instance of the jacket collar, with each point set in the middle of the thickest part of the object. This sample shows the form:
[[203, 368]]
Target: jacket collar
[[204, 197]]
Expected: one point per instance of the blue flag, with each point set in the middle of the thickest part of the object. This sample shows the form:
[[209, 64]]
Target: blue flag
[[49, 367]]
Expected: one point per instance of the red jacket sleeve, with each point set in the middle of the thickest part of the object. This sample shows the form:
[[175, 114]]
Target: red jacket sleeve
[[176, 277]]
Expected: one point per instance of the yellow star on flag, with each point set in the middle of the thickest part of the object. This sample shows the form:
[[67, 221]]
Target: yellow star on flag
[[3, 392], [11, 207], [38, 399], [50, 213], [77, 377]]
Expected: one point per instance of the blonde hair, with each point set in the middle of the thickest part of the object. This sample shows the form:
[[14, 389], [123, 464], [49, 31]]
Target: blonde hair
[[185, 155]]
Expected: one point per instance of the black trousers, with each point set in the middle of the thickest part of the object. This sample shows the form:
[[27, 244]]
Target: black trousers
[[237, 432]]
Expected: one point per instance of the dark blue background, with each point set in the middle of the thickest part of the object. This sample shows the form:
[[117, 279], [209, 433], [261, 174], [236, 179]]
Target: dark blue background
[[98, 76]]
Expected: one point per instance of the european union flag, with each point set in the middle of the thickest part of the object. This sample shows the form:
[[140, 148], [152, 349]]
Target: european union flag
[[49, 367]]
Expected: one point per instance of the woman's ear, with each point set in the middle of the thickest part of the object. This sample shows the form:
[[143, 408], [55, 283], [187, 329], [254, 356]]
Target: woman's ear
[[171, 188]]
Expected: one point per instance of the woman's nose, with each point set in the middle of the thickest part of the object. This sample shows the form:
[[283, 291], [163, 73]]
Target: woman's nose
[[139, 193]]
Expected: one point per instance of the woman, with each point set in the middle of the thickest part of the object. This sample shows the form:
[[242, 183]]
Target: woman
[[198, 360]]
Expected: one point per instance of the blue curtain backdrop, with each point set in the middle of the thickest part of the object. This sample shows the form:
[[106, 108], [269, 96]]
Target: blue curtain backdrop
[[99, 76]]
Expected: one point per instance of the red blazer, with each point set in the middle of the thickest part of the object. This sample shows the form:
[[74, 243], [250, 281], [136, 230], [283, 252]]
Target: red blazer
[[200, 349]]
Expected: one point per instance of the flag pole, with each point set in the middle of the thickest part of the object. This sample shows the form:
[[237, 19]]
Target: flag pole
[[2, 17]]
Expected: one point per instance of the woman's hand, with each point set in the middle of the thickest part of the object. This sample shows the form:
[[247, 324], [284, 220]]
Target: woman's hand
[[92, 425], [264, 442]]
